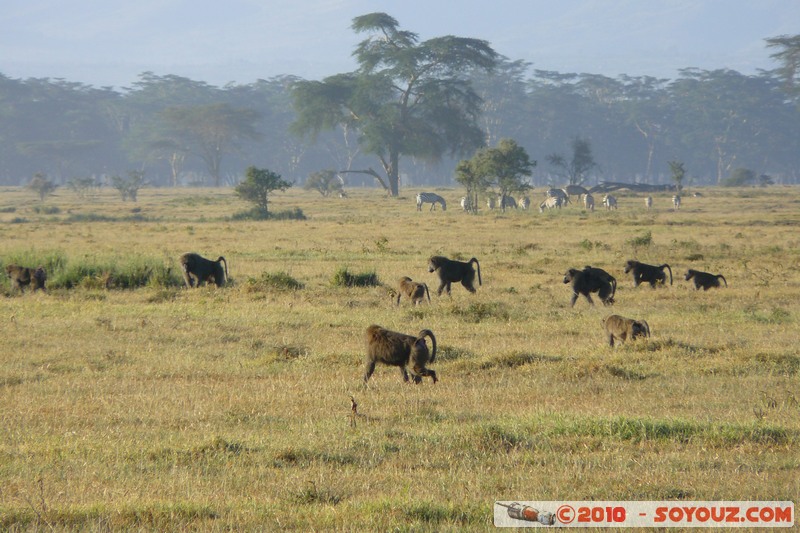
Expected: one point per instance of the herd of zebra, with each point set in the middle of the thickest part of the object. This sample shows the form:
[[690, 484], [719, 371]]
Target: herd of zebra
[[555, 199]]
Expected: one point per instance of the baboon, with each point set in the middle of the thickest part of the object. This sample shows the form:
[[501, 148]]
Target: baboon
[[449, 271], [651, 274], [591, 280], [622, 329], [705, 279], [398, 349], [21, 277], [200, 270], [412, 290]]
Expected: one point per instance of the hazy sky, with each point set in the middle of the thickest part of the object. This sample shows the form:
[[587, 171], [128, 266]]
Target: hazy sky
[[110, 42]]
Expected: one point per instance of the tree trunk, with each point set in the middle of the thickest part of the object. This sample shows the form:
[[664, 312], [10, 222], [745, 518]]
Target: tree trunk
[[393, 174]]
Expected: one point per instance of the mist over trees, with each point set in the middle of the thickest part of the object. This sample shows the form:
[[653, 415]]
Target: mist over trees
[[177, 131]]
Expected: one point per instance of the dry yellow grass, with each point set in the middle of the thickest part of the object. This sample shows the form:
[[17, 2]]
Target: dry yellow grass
[[217, 409]]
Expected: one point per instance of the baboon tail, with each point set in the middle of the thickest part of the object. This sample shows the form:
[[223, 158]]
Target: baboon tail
[[426, 292], [220, 258], [428, 333], [723, 279], [474, 260], [662, 267]]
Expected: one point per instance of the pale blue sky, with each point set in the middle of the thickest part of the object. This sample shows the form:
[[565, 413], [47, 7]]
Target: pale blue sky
[[110, 42]]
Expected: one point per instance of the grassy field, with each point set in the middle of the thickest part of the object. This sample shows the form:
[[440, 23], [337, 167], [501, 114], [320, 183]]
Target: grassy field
[[162, 408]]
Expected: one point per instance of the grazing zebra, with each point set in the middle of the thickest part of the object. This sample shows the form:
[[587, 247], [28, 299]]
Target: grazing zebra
[[551, 203], [466, 203], [588, 202], [558, 193], [610, 202], [676, 201], [525, 203], [648, 202], [430, 198], [491, 202], [575, 190], [507, 201]]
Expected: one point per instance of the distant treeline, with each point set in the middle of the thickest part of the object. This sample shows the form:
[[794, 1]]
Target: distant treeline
[[184, 132]]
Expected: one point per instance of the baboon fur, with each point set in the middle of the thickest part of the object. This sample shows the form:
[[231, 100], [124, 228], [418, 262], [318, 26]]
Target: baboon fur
[[621, 328], [412, 290], [398, 349], [651, 274], [198, 270], [450, 271], [591, 280], [705, 279], [21, 277]]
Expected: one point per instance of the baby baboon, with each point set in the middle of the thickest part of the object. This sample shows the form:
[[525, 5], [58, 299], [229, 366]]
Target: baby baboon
[[591, 280], [21, 277], [412, 290], [651, 274], [449, 271], [397, 349], [200, 270], [704, 279], [622, 329]]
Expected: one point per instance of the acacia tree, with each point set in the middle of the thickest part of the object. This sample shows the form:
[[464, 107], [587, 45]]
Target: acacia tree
[[678, 173], [576, 169], [258, 185], [42, 186], [210, 131], [504, 166], [788, 56], [407, 97]]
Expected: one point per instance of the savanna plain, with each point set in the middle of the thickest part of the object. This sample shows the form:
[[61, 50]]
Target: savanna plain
[[128, 402]]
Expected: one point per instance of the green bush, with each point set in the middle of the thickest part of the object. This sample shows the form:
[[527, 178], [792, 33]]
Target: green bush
[[343, 278], [274, 281]]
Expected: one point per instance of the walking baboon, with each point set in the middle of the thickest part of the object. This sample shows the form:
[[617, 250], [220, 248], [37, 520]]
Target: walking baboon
[[198, 270], [705, 279], [651, 274], [591, 280], [21, 277], [450, 270], [622, 329], [398, 349], [412, 290]]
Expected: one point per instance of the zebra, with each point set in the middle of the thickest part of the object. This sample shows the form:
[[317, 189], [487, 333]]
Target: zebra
[[588, 201], [648, 202], [610, 202], [507, 202], [430, 198], [524, 203], [466, 204], [551, 203], [558, 193], [676, 201], [491, 202]]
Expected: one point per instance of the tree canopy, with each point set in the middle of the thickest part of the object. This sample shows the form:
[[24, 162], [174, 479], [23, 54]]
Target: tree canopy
[[714, 120], [505, 166], [408, 98]]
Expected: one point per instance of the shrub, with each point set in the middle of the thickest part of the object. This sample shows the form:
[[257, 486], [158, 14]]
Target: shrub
[[280, 281], [343, 278], [643, 240]]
